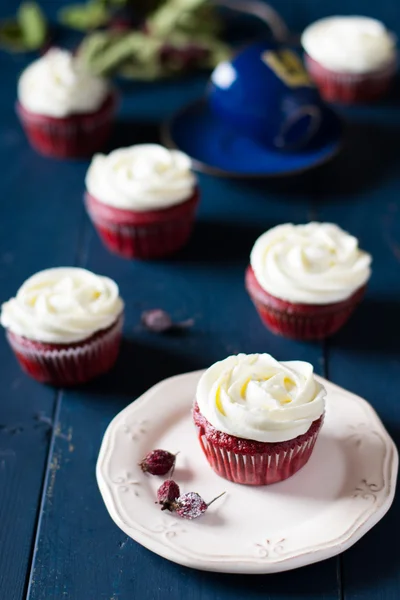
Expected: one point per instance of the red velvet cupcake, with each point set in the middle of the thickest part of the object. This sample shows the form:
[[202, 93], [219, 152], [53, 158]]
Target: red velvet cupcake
[[65, 112], [142, 200], [351, 59], [257, 419], [306, 280], [65, 325]]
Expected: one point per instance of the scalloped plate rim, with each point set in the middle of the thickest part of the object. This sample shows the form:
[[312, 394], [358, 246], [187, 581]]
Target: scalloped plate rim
[[256, 567]]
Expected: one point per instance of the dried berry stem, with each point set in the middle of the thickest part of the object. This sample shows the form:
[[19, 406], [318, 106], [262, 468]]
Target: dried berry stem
[[216, 498]]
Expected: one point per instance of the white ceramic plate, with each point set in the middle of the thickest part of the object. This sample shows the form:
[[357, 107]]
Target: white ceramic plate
[[343, 491]]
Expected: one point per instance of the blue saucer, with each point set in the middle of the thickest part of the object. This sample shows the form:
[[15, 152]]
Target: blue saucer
[[217, 149]]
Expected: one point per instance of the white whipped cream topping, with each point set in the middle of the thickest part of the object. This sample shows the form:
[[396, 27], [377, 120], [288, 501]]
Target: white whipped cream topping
[[62, 305], [349, 44], [317, 263], [253, 396], [142, 177], [56, 85]]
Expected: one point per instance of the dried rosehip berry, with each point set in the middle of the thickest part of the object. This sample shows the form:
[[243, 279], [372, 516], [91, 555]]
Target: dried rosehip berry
[[192, 505], [158, 462], [167, 495]]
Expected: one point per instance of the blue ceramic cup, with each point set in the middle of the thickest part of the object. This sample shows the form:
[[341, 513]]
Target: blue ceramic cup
[[265, 93]]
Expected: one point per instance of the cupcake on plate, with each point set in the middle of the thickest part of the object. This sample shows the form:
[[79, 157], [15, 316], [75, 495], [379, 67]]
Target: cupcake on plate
[[351, 59], [65, 111], [306, 280], [142, 200], [65, 325], [258, 419]]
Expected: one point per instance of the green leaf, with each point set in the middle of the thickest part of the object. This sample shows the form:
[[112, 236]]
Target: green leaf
[[84, 17], [33, 25], [217, 52], [104, 53], [11, 36], [144, 72], [118, 3], [137, 55], [28, 31], [191, 16]]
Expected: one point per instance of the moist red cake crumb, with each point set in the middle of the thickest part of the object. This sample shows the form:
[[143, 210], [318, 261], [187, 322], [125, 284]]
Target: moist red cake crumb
[[241, 445]]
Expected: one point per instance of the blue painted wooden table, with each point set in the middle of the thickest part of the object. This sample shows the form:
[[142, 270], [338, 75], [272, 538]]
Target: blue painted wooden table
[[56, 538]]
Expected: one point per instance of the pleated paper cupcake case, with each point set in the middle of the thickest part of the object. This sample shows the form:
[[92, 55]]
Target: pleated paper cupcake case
[[74, 136], [144, 241], [350, 87], [76, 363], [259, 469]]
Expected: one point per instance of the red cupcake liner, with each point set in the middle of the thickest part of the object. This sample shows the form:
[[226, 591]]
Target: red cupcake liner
[[68, 364], [78, 135], [150, 234], [350, 88], [254, 463], [300, 321]]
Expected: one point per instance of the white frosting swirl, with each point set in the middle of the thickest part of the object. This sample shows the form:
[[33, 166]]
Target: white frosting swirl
[[62, 305], [253, 396], [56, 85], [141, 177], [317, 263], [349, 44]]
